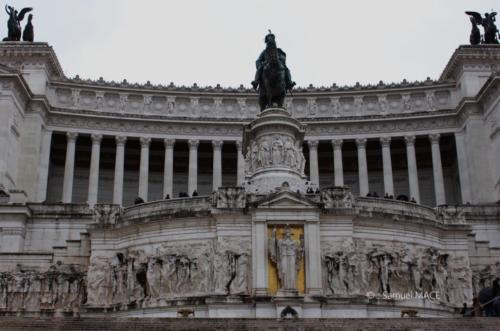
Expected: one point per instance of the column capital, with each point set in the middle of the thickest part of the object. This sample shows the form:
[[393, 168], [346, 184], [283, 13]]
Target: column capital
[[120, 140], [193, 143], [410, 140], [168, 142], [96, 138], [239, 144], [217, 144], [385, 141], [434, 138], [145, 141], [71, 136], [337, 143], [361, 142], [313, 143]]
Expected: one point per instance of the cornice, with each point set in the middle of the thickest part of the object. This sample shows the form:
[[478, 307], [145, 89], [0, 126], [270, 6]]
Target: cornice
[[17, 53], [484, 55], [489, 93], [18, 86]]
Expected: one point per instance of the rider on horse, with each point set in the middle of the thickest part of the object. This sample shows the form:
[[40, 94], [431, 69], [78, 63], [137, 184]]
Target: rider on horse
[[262, 60]]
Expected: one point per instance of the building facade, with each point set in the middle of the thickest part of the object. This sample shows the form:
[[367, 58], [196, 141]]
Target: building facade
[[75, 154]]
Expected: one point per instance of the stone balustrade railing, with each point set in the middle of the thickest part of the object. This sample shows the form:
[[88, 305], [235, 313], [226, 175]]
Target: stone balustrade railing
[[155, 209], [397, 207]]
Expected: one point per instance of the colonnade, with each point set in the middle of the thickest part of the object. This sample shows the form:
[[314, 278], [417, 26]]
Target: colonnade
[[385, 142]]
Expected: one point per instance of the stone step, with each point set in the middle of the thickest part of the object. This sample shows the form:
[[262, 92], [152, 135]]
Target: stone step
[[194, 324]]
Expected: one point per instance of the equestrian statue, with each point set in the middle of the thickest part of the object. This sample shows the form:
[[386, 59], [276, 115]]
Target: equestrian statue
[[272, 78], [14, 23]]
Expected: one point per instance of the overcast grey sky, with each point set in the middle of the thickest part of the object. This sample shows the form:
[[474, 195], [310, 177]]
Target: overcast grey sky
[[218, 41]]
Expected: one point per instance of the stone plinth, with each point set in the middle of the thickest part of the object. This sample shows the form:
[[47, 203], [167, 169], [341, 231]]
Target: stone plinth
[[272, 145]]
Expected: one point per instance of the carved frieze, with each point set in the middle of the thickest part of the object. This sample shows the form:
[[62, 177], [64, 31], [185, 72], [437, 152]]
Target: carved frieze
[[377, 270], [174, 270], [275, 151], [60, 287]]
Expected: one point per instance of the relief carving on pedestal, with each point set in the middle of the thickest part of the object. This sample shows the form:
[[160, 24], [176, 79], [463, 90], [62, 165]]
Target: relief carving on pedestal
[[275, 151]]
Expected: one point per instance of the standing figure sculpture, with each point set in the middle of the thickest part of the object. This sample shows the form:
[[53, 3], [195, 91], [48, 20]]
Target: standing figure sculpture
[[287, 254], [272, 78], [488, 23], [14, 23]]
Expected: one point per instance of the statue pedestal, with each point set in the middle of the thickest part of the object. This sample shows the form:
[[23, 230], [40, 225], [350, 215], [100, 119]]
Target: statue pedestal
[[272, 145]]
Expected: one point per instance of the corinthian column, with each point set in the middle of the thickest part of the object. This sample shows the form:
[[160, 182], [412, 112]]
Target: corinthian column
[[43, 172], [338, 168], [119, 167], [387, 164], [463, 167], [94, 169], [69, 167], [193, 166], [437, 170], [241, 164], [362, 167], [217, 164], [412, 168], [313, 162], [168, 173], [144, 168]]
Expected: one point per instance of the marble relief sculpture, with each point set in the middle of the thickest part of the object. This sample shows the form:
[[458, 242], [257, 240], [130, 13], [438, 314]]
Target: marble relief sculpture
[[60, 287], [357, 268], [277, 150], [173, 271]]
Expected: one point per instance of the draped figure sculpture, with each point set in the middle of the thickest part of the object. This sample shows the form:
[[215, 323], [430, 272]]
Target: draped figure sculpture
[[287, 254]]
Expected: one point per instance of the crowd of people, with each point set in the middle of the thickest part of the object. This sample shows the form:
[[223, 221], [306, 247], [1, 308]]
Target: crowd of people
[[486, 303]]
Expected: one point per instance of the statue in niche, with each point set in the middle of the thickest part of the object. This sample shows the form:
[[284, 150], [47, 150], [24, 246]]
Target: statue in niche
[[287, 254], [14, 22], [488, 23], [273, 77]]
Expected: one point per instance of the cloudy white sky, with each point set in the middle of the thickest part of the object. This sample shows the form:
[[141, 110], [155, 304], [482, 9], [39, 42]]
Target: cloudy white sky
[[217, 41]]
